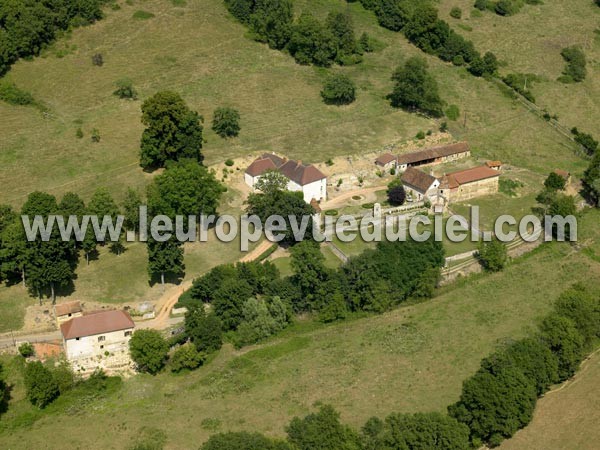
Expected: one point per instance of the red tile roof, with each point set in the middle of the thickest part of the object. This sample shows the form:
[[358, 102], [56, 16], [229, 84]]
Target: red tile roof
[[384, 159], [260, 166], [493, 163], [433, 153], [62, 309], [455, 179], [99, 323], [562, 173], [417, 179], [294, 170]]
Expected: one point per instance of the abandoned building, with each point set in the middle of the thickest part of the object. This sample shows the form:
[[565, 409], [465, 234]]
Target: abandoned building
[[305, 178]]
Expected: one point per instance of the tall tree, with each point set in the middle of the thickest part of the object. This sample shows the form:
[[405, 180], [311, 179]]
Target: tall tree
[[173, 131], [131, 209], [165, 258]]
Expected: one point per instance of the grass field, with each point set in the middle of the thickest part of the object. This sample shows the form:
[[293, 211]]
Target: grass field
[[411, 359], [199, 51]]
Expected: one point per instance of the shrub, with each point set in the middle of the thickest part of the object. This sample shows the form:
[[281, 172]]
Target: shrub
[[367, 205], [186, 357], [587, 141], [521, 83], [148, 350], [420, 135], [508, 7], [11, 94], [98, 60], [482, 5], [125, 89], [95, 135], [204, 330], [41, 386], [243, 441], [26, 350], [79, 133], [452, 112], [395, 193], [444, 127], [331, 212], [142, 15], [564, 340], [492, 255], [415, 88], [456, 12], [226, 122], [365, 43], [229, 162], [575, 69], [555, 182], [338, 89]]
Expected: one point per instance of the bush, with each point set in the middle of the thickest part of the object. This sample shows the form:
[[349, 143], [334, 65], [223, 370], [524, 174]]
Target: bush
[[452, 112], [125, 89], [204, 330], [98, 60], [555, 182], [395, 193], [331, 212], [11, 94], [492, 255], [575, 69], [456, 12], [420, 135], [226, 122], [521, 83], [26, 350], [338, 89], [79, 133], [186, 357], [142, 15], [508, 7], [243, 441], [415, 88], [587, 141], [564, 340], [95, 135], [229, 162], [42, 388], [148, 350]]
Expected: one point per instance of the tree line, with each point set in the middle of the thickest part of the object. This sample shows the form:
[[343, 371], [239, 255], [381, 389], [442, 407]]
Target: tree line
[[27, 26]]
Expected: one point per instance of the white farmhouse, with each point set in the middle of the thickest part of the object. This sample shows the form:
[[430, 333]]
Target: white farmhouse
[[98, 340], [305, 178]]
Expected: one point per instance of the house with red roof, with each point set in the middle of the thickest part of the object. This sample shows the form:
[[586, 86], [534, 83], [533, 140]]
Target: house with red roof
[[301, 177], [98, 340], [469, 183]]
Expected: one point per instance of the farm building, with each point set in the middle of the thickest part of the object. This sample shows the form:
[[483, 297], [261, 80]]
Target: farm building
[[419, 184], [98, 340], [469, 183], [434, 155], [67, 311], [387, 161], [305, 178], [496, 165]]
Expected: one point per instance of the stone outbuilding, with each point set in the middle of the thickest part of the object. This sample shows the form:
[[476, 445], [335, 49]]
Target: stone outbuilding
[[469, 183], [387, 161], [67, 311], [434, 155], [420, 185]]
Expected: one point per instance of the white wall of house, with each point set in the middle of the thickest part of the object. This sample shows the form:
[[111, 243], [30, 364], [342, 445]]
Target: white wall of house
[[107, 351], [419, 195], [316, 190], [250, 180]]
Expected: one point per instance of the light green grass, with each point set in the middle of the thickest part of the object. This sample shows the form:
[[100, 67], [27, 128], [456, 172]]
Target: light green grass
[[284, 265], [411, 359]]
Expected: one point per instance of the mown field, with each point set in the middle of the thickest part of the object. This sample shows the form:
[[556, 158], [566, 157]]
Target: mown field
[[411, 359], [200, 52]]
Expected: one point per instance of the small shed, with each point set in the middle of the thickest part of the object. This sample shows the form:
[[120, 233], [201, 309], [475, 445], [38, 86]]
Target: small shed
[[67, 311]]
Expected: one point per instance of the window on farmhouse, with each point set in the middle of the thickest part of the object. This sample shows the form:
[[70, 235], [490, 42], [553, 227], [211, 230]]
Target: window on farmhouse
[[127, 333], [101, 338]]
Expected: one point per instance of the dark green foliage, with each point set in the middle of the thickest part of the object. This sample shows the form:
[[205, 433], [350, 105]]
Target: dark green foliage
[[583, 308], [486, 66], [243, 441], [229, 300], [165, 258], [587, 141], [308, 264], [72, 205], [226, 122], [492, 255], [12, 95], [415, 431], [452, 112], [142, 15], [131, 209], [591, 180], [521, 82], [494, 406], [341, 27], [575, 70], [261, 319], [564, 340], [148, 350], [42, 388], [95, 135], [186, 357], [125, 89], [322, 431], [508, 7], [27, 26], [98, 60], [26, 350], [338, 89], [203, 288], [271, 22], [204, 330], [415, 88], [365, 43], [456, 12], [173, 131], [241, 9], [555, 182], [391, 14], [311, 42], [395, 192]]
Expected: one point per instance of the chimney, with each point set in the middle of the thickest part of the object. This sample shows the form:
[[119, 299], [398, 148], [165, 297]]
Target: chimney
[[299, 162]]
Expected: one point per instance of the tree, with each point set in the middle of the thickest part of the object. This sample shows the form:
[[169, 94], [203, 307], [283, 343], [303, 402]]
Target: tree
[[165, 258], [495, 406], [131, 209], [456, 12], [204, 330], [241, 9], [26, 350], [184, 188], [271, 22], [148, 350], [308, 265], [258, 322], [228, 302], [492, 255], [102, 204], [365, 43], [342, 28], [243, 441], [562, 205], [41, 386], [311, 42], [72, 205], [14, 252], [173, 131], [575, 69], [186, 357], [395, 192], [564, 340], [591, 180], [226, 122], [583, 308], [415, 88], [271, 182], [338, 89], [413, 431], [322, 431], [555, 182], [203, 288]]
